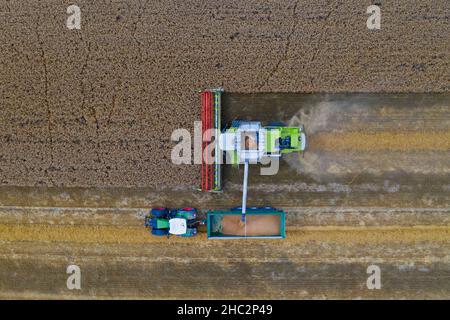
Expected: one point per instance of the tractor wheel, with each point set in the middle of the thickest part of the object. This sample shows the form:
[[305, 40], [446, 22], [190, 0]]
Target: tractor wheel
[[160, 232], [160, 212]]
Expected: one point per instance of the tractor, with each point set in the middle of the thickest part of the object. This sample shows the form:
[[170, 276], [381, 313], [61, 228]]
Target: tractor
[[244, 142]]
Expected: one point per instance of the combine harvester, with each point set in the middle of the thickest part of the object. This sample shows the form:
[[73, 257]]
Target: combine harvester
[[243, 142]]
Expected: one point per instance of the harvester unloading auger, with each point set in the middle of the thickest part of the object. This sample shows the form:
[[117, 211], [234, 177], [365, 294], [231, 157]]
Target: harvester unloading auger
[[243, 142]]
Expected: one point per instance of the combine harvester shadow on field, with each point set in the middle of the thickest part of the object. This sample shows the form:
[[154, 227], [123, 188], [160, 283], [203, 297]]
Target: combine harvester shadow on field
[[242, 142]]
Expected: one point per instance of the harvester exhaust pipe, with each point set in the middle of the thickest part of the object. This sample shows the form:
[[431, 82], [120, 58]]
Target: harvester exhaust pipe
[[244, 191]]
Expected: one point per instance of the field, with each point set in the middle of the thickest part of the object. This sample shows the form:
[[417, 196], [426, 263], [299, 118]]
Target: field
[[86, 119]]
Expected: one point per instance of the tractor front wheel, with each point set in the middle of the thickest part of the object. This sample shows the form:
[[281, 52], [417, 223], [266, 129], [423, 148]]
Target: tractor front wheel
[[160, 232]]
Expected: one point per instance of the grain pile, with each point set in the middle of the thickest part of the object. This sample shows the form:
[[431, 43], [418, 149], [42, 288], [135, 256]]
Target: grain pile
[[97, 106]]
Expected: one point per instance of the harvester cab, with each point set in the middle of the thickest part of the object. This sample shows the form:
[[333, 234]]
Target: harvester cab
[[180, 222], [250, 141]]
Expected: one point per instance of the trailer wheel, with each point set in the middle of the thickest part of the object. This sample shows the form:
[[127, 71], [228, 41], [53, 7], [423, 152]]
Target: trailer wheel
[[160, 232], [160, 212]]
